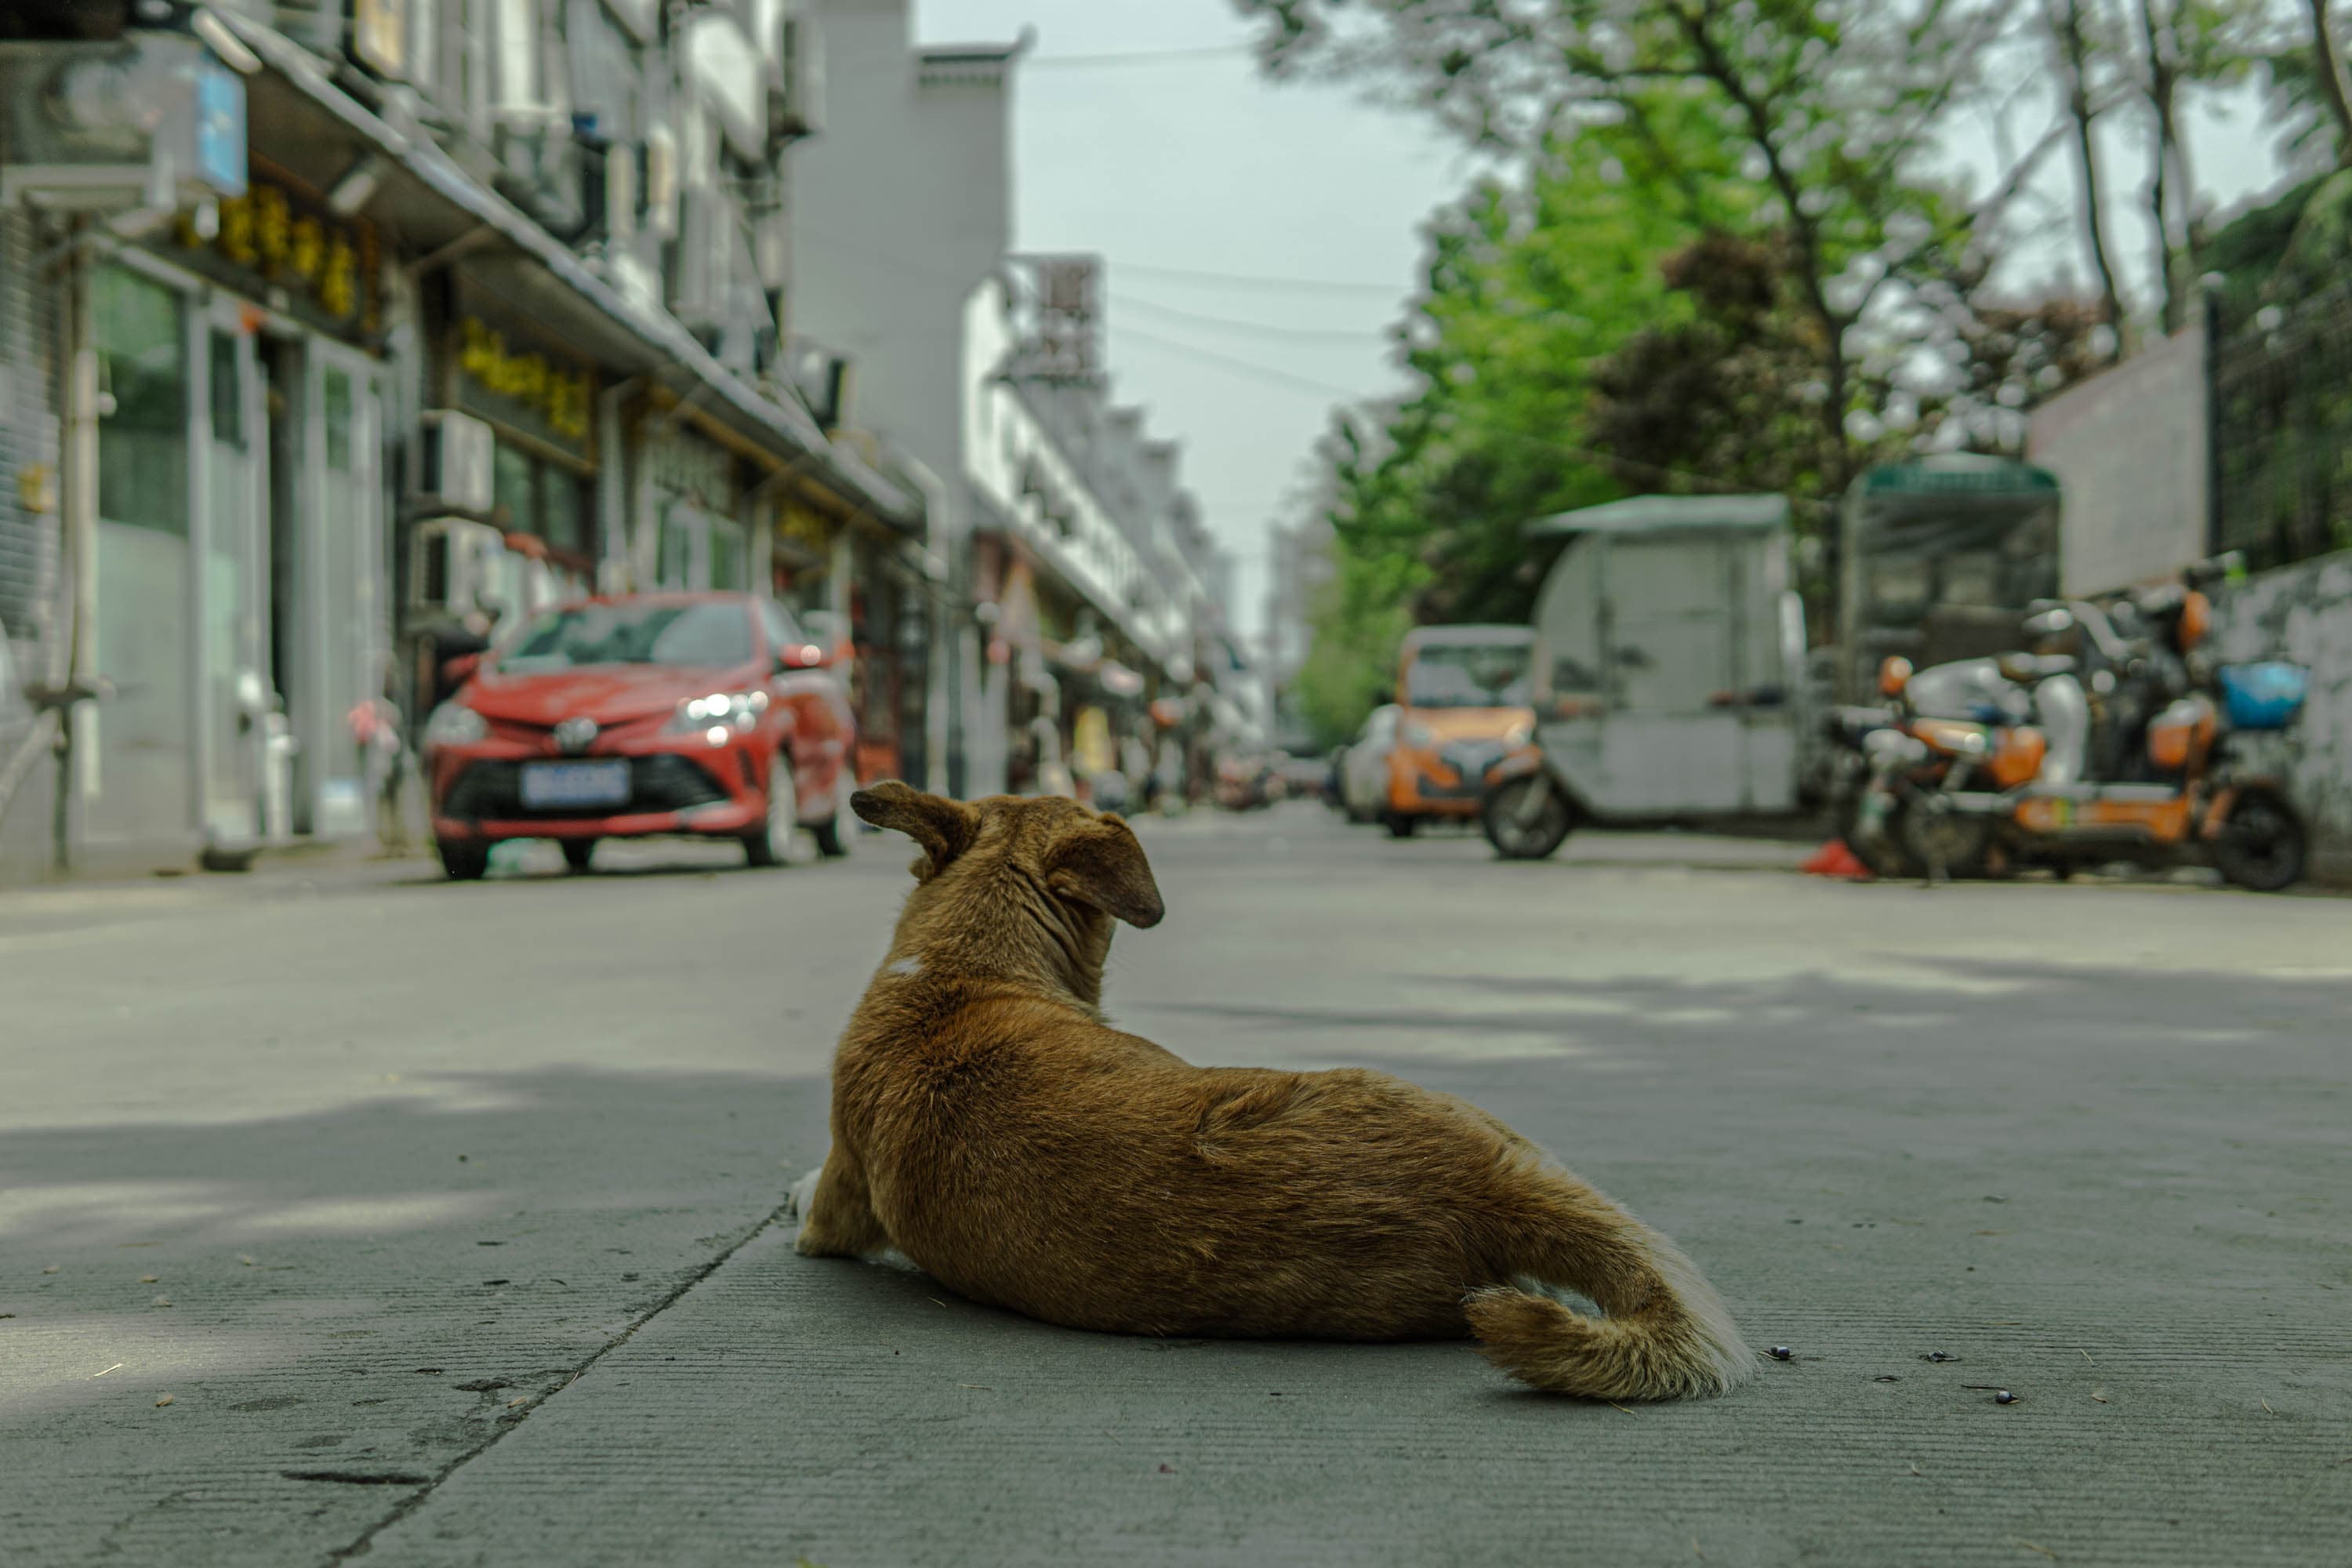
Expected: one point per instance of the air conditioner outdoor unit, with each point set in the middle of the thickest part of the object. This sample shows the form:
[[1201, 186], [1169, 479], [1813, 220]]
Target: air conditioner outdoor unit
[[661, 183], [823, 379], [458, 455], [452, 564], [621, 193], [151, 122], [796, 78], [704, 249]]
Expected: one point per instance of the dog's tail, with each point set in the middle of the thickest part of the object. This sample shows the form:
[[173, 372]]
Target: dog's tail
[[1666, 1334]]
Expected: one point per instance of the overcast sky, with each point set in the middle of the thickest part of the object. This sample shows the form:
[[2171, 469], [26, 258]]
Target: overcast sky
[[1189, 174]]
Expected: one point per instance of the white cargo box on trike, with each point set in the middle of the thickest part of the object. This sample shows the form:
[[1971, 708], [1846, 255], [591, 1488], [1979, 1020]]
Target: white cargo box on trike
[[1668, 671]]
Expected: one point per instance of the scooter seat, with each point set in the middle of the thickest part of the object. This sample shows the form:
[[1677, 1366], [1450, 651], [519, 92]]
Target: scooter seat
[[2135, 795], [2027, 668]]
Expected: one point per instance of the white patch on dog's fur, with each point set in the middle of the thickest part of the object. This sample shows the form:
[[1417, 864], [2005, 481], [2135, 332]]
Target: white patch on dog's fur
[[906, 967], [804, 1193]]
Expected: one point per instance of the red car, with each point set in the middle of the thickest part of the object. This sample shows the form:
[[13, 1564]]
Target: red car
[[702, 714]]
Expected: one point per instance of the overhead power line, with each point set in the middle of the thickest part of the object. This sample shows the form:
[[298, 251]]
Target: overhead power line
[[1133, 57], [1271, 376], [1236, 324], [1264, 372], [1257, 279]]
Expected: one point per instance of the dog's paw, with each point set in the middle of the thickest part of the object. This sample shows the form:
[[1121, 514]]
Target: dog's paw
[[804, 1193]]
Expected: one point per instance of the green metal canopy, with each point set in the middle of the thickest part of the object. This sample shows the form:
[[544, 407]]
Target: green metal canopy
[[1645, 514], [1956, 473]]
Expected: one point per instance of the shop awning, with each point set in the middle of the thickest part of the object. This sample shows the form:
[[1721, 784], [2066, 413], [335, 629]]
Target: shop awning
[[436, 202]]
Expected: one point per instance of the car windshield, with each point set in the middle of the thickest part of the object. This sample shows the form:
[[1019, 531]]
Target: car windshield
[[685, 635], [1471, 675]]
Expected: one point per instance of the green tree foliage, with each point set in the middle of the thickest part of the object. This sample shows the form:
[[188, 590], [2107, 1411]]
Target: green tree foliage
[[1530, 289], [1823, 110], [1729, 265]]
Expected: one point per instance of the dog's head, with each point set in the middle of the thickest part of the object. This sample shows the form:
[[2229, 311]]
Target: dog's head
[[1087, 861]]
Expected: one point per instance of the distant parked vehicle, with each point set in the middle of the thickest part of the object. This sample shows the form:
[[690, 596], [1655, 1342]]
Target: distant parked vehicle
[[1303, 778], [1364, 769], [2180, 788], [1669, 668], [1463, 708], [1247, 783], [702, 715]]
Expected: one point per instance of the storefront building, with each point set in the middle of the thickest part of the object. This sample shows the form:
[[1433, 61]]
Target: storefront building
[[270, 442], [1087, 629], [537, 396], [214, 375]]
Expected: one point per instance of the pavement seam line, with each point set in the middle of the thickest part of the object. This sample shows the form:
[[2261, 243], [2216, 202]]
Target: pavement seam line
[[365, 1540]]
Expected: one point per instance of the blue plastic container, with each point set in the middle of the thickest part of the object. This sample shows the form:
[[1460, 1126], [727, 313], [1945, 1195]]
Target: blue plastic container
[[2264, 695]]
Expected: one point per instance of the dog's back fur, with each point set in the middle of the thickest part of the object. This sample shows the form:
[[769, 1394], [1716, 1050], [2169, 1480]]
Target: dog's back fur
[[991, 1126]]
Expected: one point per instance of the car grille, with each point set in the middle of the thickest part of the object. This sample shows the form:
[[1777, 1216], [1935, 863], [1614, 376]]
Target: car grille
[[1469, 760], [492, 792]]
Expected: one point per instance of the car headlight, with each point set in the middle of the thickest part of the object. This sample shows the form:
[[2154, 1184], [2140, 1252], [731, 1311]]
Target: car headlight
[[721, 710], [453, 724], [1416, 734]]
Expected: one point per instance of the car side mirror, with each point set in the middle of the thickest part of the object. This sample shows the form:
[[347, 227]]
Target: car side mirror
[[800, 656], [461, 670]]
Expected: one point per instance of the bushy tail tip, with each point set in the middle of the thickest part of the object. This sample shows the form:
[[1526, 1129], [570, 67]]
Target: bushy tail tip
[[1671, 1349]]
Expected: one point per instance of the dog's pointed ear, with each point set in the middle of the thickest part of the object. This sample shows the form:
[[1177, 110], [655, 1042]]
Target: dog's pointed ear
[[1100, 863], [944, 828]]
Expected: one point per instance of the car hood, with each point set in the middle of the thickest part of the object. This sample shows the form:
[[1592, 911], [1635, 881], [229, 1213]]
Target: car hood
[[611, 694], [1450, 724]]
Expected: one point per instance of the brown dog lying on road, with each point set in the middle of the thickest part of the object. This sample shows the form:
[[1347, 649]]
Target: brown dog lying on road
[[991, 1126]]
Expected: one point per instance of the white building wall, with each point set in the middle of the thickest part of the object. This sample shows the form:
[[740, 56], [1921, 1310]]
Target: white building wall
[[2129, 450], [1010, 453], [901, 208]]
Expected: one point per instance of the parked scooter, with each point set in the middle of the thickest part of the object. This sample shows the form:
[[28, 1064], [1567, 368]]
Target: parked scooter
[[1859, 777], [2172, 789], [1953, 728], [1946, 728]]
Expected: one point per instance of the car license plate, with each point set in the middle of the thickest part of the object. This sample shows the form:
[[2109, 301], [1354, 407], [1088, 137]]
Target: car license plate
[[552, 785]]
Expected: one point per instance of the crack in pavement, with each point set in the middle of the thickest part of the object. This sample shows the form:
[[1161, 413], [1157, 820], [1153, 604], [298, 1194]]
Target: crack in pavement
[[427, 1485]]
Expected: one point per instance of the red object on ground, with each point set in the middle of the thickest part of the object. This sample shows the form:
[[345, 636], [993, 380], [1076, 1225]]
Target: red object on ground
[[1834, 859]]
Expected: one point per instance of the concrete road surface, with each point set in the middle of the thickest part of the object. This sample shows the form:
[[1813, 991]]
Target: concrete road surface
[[350, 1214]]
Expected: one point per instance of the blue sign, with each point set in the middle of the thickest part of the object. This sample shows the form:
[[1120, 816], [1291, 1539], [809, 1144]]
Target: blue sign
[[220, 128]]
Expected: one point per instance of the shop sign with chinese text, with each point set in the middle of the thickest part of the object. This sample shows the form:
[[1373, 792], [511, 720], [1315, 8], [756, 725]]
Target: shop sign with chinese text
[[280, 247], [502, 371]]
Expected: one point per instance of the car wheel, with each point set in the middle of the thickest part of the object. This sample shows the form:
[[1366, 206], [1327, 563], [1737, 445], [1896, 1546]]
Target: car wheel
[[1945, 842], [2262, 845], [1401, 825], [1883, 856], [463, 862], [578, 853], [771, 843], [834, 838], [1519, 835]]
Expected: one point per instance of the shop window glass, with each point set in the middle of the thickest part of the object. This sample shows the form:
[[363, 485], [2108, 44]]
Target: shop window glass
[[565, 501], [675, 566], [727, 563], [512, 476], [342, 667], [226, 389], [337, 400], [144, 735], [142, 477]]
